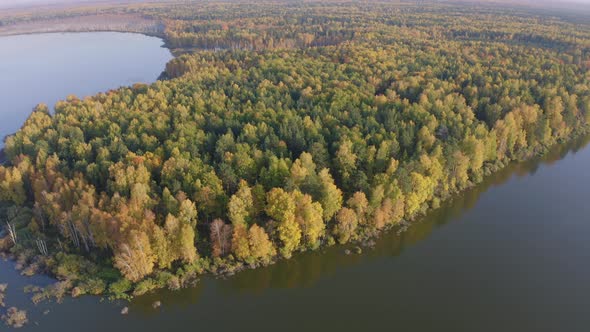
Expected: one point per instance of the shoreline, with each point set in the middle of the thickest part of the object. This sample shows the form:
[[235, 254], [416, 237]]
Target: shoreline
[[9, 33], [147, 34], [364, 241], [491, 168], [160, 35], [176, 52], [161, 77]]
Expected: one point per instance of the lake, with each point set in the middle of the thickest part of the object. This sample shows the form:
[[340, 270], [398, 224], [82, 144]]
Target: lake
[[46, 68], [511, 254]]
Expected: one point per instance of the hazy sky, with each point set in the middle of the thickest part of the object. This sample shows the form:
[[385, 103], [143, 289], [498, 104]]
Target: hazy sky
[[15, 3], [12, 3]]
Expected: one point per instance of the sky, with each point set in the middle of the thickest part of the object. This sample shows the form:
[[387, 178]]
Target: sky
[[18, 3], [13, 3]]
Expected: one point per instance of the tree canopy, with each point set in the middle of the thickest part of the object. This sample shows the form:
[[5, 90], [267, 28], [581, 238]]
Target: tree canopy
[[286, 126]]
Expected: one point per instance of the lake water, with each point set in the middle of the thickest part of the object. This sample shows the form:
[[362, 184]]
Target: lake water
[[46, 68], [512, 254]]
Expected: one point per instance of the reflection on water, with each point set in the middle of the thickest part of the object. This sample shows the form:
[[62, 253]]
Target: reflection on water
[[476, 258]]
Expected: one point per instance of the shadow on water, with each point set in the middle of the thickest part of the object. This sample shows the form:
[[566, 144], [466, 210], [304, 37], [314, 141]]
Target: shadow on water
[[307, 269]]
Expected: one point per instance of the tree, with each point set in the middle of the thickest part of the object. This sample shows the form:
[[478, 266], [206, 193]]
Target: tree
[[261, 248], [475, 151], [276, 174], [359, 203], [161, 246], [345, 160], [290, 236], [346, 224], [135, 258], [420, 189], [388, 213], [330, 195], [303, 175], [239, 243], [554, 109], [309, 217], [334, 124], [281, 207], [187, 213], [459, 165], [220, 237], [425, 138], [181, 239], [12, 185], [169, 202], [240, 206]]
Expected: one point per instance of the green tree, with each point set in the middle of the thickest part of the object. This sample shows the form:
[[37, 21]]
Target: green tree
[[240, 206], [330, 196]]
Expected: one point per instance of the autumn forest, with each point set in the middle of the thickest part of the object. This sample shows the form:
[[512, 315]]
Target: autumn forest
[[281, 127]]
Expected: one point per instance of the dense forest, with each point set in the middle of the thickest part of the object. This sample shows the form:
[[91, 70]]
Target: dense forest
[[284, 127]]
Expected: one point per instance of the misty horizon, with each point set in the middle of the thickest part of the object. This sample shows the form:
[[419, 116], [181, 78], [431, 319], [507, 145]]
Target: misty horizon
[[29, 3]]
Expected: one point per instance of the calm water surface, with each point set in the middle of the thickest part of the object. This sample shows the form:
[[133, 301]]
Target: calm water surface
[[46, 68], [512, 254]]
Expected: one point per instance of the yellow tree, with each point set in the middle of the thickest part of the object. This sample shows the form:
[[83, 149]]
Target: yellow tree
[[309, 217], [421, 188], [239, 243], [346, 224], [240, 205], [12, 185], [261, 248], [359, 203], [134, 258], [281, 207]]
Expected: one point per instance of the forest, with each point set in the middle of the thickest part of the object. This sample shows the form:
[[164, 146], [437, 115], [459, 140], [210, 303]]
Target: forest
[[282, 127]]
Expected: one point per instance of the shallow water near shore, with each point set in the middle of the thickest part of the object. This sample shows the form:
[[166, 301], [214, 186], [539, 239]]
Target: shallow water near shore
[[510, 254]]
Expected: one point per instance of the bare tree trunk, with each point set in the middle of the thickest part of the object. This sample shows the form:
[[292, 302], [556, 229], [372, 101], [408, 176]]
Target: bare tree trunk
[[12, 232], [42, 246], [90, 233], [74, 234], [84, 241], [40, 216]]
